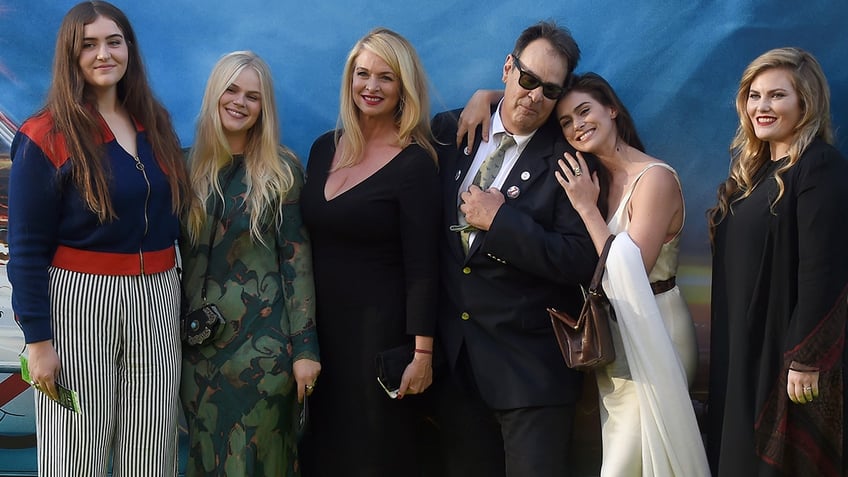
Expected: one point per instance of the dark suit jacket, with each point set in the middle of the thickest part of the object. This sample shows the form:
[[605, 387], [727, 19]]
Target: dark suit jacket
[[534, 256]]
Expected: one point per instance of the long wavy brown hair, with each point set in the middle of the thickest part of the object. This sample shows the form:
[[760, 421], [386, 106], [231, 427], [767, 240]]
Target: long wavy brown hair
[[71, 104], [601, 91], [749, 153]]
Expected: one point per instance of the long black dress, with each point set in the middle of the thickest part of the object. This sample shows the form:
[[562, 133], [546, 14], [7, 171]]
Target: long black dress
[[375, 265], [780, 277]]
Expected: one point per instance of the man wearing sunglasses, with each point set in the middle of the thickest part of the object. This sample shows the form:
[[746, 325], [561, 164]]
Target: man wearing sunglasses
[[512, 246]]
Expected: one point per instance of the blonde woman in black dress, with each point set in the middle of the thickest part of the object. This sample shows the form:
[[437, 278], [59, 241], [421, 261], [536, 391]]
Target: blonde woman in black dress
[[371, 204]]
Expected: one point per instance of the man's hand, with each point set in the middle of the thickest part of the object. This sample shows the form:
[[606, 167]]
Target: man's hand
[[480, 207]]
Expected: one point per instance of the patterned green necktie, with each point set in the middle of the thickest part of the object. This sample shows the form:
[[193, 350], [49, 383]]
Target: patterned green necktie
[[485, 177], [492, 165]]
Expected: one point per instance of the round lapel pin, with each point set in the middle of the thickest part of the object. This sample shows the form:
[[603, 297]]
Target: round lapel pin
[[513, 192], [525, 176]]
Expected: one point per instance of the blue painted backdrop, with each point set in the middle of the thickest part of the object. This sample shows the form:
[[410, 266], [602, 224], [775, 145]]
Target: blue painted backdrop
[[675, 64]]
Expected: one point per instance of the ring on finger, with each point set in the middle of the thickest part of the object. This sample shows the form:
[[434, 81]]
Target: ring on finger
[[578, 171]]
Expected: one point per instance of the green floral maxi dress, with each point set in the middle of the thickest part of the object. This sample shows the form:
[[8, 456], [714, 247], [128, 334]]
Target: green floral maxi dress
[[239, 393]]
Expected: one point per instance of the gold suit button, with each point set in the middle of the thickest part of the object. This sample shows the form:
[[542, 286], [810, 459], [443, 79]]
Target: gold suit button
[[466, 270], [465, 315]]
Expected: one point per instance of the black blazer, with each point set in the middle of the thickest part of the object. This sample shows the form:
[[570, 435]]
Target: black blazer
[[534, 256]]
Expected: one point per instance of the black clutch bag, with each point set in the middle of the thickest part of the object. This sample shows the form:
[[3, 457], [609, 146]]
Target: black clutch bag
[[391, 364]]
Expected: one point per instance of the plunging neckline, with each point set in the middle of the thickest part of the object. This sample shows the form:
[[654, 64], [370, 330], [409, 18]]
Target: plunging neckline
[[356, 185]]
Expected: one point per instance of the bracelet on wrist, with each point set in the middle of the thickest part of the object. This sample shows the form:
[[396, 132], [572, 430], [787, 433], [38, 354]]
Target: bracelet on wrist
[[423, 351]]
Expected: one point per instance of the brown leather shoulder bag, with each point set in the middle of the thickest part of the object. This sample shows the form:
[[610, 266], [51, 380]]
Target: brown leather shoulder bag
[[586, 342]]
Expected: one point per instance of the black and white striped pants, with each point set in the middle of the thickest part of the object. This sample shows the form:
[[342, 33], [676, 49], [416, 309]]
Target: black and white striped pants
[[118, 342]]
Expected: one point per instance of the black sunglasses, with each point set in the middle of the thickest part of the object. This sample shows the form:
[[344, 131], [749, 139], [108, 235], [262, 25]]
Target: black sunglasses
[[530, 81]]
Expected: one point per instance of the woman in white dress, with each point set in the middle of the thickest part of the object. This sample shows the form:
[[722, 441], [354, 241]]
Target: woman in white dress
[[648, 425]]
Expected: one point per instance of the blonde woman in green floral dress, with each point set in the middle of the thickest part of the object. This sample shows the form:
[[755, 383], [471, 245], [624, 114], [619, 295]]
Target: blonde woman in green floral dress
[[241, 391]]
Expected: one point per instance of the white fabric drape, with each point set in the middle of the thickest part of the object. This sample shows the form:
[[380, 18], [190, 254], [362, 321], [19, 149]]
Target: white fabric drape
[[671, 442]]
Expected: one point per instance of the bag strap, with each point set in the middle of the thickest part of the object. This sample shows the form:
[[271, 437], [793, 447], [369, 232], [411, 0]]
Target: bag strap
[[595, 284]]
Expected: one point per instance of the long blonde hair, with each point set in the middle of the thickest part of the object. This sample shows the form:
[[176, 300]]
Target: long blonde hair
[[412, 117], [267, 163], [750, 153]]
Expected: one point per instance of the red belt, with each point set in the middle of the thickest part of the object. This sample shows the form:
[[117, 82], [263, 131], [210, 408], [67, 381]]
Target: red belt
[[108, 263]]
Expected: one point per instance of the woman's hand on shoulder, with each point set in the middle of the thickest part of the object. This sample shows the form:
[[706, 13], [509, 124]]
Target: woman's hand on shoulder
[[478, 111]]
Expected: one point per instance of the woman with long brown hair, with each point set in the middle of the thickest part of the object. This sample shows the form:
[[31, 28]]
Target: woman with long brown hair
[[96, 189]]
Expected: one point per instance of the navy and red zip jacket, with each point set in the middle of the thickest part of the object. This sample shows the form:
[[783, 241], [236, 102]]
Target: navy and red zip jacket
[[51, 225]]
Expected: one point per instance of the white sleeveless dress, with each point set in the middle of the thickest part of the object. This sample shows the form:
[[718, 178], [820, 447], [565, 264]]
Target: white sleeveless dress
[[643, 432]]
